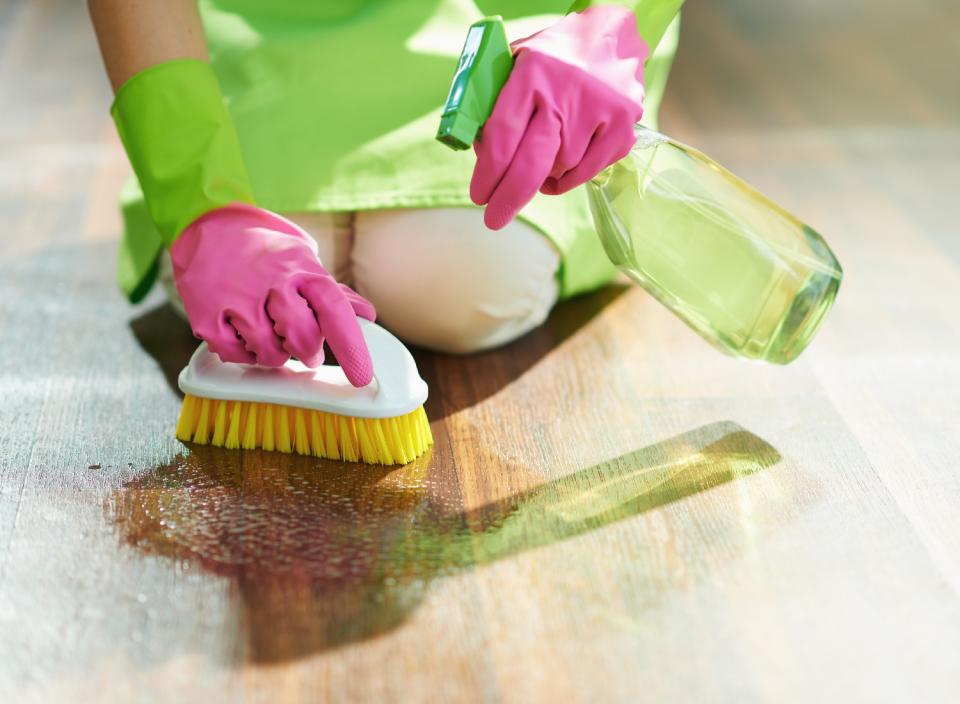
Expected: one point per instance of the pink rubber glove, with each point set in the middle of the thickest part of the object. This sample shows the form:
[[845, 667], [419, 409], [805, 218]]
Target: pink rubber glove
[[254, 289], [565, 114]]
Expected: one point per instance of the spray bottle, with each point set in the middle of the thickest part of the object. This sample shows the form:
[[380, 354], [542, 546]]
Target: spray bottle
[[750, 278]]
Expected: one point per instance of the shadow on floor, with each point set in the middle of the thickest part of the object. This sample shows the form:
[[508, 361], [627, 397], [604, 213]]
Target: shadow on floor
[[476, 377], [167, 338], [322, 554]]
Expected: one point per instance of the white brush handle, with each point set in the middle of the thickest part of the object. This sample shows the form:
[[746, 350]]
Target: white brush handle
[[396, 389], [394, 369]]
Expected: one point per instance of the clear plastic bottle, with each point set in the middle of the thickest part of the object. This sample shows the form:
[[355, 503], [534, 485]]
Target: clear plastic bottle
[[746, 275]]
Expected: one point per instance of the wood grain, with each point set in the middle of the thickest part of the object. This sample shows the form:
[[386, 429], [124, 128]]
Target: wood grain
[[612, 512]]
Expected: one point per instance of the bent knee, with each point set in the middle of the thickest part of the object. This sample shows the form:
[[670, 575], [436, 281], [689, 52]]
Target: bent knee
[[440, 279]]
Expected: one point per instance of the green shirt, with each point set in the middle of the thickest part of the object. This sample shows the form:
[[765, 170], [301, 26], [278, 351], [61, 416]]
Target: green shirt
[[336, 104]]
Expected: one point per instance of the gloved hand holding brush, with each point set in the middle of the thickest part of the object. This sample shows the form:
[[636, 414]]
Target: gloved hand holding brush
[[251, 282], [254, 289], [566, 112]]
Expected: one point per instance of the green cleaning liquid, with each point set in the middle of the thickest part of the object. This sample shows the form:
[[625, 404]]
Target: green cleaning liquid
[[746, 275]]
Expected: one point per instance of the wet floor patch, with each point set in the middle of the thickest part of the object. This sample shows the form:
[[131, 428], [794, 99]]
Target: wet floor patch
[[323, 553]]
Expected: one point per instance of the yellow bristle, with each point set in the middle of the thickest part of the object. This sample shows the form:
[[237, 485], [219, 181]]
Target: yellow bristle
[[348, 438], [267, 443], [423, 427], [402, 440], [406, 428], [375, 433], [316, 434], [232, 441], [201, 433], [408, 432], [248, 425], [394, 446], [330, 437], [384, 450], [367, 451], [188, 418], [392, 430], [300, 436], [383, 428], [261, 422], [381, 450], [220, 424], [250, 429], [283, 438]]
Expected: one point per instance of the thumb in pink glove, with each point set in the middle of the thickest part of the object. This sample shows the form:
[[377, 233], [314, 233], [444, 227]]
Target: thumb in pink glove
[[565, 114], [255, 291]]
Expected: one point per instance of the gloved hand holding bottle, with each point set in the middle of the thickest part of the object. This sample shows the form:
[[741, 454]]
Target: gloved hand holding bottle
[[750, 278], [567, 111]]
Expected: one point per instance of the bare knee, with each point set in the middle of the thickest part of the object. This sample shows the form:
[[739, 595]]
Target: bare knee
[[441, 280]]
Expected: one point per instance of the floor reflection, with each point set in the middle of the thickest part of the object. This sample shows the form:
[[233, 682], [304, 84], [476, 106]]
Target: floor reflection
[[323, 554]]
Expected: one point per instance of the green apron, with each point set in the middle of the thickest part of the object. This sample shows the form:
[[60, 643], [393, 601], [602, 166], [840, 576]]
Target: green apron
[[336, 104]]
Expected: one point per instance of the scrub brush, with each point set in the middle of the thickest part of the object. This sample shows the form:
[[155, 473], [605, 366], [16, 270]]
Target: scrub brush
[[309, 411]]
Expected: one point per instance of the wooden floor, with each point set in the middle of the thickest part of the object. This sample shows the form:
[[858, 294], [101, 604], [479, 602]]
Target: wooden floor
[[613, 511]]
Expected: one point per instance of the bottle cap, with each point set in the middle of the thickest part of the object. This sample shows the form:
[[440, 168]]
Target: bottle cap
[[484, 66]]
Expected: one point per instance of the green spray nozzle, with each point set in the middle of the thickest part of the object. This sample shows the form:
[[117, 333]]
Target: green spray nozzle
[[484, 66]]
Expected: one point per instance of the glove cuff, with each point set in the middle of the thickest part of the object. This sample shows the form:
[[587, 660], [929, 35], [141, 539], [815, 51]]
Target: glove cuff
[[181, 142], [601, 41]]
